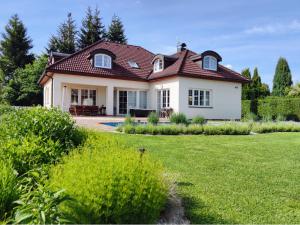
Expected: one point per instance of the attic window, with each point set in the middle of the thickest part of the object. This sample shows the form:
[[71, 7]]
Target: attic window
[[133, 64], [158, 65], [210, 63], [102, 61]]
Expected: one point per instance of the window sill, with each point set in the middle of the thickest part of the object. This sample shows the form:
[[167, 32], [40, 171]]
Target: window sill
[[205, 107]]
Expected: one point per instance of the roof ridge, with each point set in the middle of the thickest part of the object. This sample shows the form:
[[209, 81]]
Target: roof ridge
[[138, 46]]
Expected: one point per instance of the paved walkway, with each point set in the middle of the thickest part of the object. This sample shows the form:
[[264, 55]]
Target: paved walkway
[[95, 122]]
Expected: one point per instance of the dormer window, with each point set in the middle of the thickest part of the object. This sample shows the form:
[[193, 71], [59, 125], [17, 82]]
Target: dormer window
[[210, 63], [158, 65], [102, 61]]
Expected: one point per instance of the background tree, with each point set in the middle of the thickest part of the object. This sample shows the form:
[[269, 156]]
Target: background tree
[[23, 89], [65, 41], [259, 89], [295, 90], [91, 30], [246, 89], [282, 78], [116, 31], [14, 48]]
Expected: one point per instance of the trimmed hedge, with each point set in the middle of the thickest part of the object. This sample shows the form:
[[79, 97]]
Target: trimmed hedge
[[271, 127], [273, 107]]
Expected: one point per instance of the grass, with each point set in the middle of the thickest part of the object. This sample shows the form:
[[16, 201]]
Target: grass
[[232, 179]]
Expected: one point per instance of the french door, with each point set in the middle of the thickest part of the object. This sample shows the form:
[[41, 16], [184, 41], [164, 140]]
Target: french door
[[163, 99], [127, 101]]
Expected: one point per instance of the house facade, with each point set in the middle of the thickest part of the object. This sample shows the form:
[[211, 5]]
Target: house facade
[[121, 77]]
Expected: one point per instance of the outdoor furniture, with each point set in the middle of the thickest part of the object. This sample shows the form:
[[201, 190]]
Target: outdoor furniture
[[84, 110], [140, 112], [166, 112]]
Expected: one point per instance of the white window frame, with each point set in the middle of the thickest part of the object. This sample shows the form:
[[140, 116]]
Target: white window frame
[[88, 94], [105, 59], [137, 94], [211, 61], [78, 94], [161, 96], [158, 65], [196, 93]]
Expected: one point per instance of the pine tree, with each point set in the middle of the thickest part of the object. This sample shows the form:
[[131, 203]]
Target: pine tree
[[116, 31], [282, 78], [92, 29], [246, 89], [65, 41], [14, 48], [259, 89]]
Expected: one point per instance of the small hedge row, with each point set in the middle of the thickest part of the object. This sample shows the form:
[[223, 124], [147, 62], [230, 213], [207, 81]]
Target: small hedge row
[[272, 108], [224, 129], [271, 127]]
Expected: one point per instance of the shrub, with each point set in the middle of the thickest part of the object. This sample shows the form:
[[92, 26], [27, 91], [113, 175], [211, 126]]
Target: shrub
[[199, 120], [110, 184], [129, 120], [178, 118], [5, 109], [153, 118], [250, 117], [275, 127], [46, 123], [280, 117], [8, 188]]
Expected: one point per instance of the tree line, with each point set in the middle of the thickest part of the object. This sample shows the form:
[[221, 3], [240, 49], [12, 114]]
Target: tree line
[[20, 69], [282, 83]]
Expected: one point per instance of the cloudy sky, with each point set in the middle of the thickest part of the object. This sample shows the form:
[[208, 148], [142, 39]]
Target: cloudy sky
[[245, 33]]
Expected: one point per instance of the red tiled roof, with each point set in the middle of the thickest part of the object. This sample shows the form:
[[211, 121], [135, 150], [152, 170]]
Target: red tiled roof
[[79, 64]]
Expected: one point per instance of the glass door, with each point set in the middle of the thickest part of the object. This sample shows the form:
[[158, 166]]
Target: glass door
[[123, 102]]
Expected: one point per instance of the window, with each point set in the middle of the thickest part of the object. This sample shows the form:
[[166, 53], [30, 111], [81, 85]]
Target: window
[[143, 99], [158, 65], [199, 98], [210, 63], [163, 98], [88, 97], [102, 61], [131, 99], [74, 96], [133, 64]]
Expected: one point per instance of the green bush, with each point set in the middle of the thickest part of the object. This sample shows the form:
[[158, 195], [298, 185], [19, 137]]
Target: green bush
[[275, 127], [5, 109], [153, 118], [227, 129], [46, 123], [110, 183], [199, 120], [129, 120], [178, 118], [8, 188]]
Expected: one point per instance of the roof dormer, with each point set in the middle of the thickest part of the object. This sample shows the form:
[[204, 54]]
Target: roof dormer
[[101, 58], [160, 62], [207, 60]]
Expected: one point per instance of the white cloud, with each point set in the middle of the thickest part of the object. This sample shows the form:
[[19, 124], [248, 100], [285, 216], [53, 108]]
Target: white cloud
[[274, 28], [229, 66]]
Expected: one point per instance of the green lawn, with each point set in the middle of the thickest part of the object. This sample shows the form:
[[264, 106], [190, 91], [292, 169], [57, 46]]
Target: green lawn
[[232, 179]]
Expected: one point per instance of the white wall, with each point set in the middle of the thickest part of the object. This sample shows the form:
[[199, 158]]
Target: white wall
[[173, 85], [47, 97], [226, 98]]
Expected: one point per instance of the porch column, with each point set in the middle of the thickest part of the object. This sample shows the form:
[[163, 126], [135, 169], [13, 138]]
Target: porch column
[[110, 100]]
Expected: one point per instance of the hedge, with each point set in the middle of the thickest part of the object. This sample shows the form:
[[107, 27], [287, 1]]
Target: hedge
[[273, 107]]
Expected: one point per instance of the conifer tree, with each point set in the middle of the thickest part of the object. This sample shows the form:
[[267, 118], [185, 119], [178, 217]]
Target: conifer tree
[[91, 30], [282, 78], [259, 89], [14, 48], [246, 89], [65, 41], [116, 31]]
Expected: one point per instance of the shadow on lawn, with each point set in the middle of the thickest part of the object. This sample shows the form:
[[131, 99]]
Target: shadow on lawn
[[201, 216]]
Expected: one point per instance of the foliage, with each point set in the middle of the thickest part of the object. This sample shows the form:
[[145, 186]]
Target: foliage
[[246, 89], [199, 120], [259, 90], [8, 187], [116, 31], [48, 124], [153, 118], [129, 120], [178, 118], [282, 78], [294, 91], [65, 41], [4, 108], [275, 127], [222, 129], [110, 183], [23, 88], [91, 30], [14, 47], [272, 107]]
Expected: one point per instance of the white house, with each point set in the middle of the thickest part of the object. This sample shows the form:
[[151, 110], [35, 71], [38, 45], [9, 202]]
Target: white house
[[120, 77]]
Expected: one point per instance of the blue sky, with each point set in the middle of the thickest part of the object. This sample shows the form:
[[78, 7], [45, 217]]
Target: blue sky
[[245, 33]]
